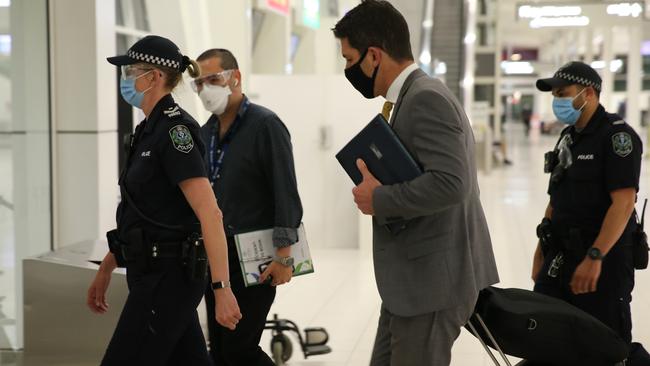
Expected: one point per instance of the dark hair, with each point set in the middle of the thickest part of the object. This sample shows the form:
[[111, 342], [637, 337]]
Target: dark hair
[[376, 23], [228, 60]]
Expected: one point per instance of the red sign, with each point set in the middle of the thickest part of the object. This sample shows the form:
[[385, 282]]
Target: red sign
[[281, 6]]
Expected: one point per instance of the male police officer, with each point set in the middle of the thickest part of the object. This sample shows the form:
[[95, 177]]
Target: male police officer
[[250, 165], [595, 169]]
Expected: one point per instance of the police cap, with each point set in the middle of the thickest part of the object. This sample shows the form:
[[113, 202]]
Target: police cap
[[153, 50], [574, 72]]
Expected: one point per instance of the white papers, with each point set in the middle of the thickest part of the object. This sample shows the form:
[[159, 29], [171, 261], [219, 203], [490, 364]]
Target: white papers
[[256, 250]]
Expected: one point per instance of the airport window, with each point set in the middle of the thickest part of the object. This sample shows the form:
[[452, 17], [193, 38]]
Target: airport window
[[485, 64], [132, 23], [484, 93], [25, 155], [132, 14]]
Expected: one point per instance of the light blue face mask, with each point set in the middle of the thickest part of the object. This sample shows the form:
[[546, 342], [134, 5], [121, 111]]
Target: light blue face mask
[[129, 93], [564, 111]]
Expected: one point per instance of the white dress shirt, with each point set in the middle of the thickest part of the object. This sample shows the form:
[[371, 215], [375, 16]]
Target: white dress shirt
[[396, 86]]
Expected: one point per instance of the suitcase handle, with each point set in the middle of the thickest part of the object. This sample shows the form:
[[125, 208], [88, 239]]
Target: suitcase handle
[[489, 334]]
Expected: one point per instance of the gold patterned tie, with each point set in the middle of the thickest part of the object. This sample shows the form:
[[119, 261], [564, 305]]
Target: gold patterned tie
[[385, 111]]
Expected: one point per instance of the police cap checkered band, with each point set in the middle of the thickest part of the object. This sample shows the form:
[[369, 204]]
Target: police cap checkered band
[[153, 50], [151, 59], [574, 72]]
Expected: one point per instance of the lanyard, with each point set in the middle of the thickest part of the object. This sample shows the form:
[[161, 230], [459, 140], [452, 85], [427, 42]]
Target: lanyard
[[215, 164]]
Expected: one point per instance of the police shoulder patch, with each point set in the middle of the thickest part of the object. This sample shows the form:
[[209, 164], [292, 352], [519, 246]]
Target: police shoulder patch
[[181, 138], [622, 144]]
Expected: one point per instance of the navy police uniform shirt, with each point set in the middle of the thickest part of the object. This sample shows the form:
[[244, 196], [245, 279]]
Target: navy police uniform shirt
[[166, 150], [605, 156]]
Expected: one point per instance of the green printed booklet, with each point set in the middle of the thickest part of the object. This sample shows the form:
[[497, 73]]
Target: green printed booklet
[[256, 252]]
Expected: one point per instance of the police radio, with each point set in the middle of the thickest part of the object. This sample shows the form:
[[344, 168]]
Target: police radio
[[640, 241]]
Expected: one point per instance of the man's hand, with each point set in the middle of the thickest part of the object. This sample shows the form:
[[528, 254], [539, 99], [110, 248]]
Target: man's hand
[[363, 192], [585, 278], [227, 310], [279, 274]]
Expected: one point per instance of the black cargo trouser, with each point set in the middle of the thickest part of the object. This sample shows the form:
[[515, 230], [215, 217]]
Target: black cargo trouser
[[159, 324], [610, 303]]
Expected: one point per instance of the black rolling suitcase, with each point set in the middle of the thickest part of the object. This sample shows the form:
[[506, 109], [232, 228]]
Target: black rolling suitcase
[[542, 330]]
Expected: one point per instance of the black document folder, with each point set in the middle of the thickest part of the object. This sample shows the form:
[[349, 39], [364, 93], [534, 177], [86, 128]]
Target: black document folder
[[382, 151]]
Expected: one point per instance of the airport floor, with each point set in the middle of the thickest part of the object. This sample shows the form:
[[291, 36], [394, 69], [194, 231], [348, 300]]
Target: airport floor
[[342, 297]]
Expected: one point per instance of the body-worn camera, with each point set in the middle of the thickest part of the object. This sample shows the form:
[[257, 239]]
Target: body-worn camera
[[550, 161]]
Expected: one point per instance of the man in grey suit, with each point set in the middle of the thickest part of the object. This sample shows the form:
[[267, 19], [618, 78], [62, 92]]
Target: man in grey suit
[[436, 255]]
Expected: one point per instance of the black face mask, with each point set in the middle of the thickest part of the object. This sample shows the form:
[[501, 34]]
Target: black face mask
[[364, 84]]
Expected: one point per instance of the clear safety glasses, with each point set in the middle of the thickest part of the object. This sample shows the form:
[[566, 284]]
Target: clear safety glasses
[[219, 79], [133, 71]]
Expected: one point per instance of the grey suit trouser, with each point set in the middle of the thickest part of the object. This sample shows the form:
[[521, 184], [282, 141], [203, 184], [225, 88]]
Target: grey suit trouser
[[423, 340]]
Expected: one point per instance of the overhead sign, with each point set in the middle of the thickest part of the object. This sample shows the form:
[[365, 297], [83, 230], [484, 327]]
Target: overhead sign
[[281, 6]]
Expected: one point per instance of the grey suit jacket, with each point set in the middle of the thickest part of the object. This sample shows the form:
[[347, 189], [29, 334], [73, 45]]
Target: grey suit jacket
[[444, 255]]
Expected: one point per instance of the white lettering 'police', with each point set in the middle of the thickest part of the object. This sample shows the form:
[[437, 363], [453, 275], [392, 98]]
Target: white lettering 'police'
[[586, 157], [172, 111]]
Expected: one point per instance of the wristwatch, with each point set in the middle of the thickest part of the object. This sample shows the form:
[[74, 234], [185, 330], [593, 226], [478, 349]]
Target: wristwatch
[[595, 254], [220, 284], [285, 261]]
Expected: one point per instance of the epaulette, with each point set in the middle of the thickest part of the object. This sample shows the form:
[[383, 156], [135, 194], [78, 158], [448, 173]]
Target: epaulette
[[615, 119], [173, 112]]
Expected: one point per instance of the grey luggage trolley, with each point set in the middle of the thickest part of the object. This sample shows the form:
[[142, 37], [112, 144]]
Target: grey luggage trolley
[[542, 330], [313, 343]]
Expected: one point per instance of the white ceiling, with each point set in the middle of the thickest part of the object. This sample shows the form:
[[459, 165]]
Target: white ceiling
[[518, 33]]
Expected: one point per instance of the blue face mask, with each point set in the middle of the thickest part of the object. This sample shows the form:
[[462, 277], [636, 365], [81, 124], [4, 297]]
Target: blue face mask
[[564, 111], [129, 93]]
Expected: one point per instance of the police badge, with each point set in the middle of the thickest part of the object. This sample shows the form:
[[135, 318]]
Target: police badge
[[622, 144], [181, 138]]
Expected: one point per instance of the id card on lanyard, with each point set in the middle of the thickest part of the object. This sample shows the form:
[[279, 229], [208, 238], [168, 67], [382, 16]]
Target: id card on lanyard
[[216, 156], [216, 162]]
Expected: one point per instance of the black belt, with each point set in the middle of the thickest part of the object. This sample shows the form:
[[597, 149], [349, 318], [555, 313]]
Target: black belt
[[157, 250]]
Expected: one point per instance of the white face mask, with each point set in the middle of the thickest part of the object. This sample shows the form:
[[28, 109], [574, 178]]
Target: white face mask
[[215, 98]]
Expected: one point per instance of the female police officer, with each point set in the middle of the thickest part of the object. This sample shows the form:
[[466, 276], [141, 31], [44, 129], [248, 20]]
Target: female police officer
[[164, 190]]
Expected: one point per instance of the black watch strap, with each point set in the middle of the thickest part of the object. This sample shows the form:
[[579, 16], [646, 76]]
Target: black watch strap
[[220, 284]]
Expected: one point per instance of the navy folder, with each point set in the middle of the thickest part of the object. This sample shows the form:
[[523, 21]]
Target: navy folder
[[382, 151]]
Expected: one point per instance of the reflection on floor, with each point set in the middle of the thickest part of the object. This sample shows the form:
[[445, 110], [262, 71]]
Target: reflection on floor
[[341, 296]]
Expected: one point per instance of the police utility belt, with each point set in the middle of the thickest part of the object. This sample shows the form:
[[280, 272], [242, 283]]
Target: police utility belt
[[137, 251], [575, 245]]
